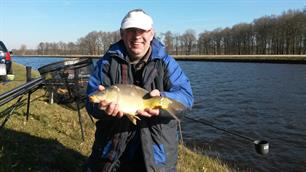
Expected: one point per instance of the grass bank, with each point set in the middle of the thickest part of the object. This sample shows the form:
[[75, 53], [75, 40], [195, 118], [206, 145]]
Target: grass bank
[[50, 140]]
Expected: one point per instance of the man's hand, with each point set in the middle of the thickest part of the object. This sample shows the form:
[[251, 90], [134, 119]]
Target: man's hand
[[150, 112], [110, 108]]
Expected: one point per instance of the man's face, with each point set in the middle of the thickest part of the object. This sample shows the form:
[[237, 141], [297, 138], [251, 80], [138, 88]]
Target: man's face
[[137, 41]]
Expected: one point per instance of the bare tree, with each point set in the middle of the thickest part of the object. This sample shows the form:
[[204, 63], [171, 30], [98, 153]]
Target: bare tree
[[188, 41], [168, 41]]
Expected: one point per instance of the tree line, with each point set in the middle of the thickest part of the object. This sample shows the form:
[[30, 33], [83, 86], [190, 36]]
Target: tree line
[[283, 34]]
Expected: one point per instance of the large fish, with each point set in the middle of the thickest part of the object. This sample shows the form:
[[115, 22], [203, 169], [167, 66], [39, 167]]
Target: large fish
[[131, 98]]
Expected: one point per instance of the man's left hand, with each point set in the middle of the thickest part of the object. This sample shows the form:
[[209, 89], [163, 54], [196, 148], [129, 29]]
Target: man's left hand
[[150, 112]]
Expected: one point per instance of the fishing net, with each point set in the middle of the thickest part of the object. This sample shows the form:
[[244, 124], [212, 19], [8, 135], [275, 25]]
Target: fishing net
[[66, 81]]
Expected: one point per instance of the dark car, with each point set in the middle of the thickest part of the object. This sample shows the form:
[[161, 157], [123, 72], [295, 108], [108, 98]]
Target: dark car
[[5, 58]]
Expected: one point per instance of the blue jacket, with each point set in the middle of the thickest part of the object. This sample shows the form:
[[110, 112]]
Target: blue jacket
[[159, 134]]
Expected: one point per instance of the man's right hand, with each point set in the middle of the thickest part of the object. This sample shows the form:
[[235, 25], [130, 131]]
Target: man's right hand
[[110, 108]]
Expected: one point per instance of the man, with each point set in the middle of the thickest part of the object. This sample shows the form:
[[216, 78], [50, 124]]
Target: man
[[139, 59]]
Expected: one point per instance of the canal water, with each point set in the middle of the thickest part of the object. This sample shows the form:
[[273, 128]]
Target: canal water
[[264, 101]]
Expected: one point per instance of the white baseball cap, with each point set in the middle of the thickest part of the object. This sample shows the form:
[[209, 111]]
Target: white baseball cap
[[137, 19]]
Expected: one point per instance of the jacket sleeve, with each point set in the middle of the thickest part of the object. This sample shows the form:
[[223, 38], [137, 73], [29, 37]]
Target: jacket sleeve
[[178, 83], [98, 77]]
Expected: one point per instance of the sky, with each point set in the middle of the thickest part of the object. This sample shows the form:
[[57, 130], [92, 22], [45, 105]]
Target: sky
[[29, 22]]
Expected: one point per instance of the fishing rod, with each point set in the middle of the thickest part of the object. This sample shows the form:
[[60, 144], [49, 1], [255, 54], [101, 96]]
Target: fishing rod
[[261, 146]]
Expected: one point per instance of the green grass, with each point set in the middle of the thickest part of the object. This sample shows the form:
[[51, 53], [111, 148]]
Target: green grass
[[50, 140]]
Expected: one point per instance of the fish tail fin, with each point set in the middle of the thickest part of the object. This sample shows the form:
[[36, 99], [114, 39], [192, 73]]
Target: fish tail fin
[[177, 107], [172, 111], [174, 107], [133, 118]]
